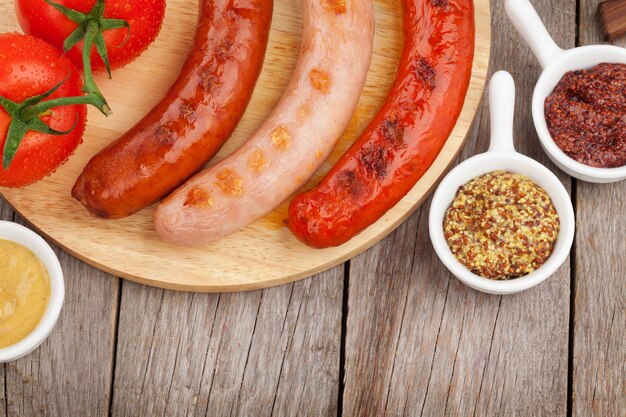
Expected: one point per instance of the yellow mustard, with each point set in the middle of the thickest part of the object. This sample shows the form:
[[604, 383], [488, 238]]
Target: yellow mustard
[[24, 292]]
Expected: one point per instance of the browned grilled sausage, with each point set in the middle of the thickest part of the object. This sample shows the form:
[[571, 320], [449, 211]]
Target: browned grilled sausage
[[194, 119]]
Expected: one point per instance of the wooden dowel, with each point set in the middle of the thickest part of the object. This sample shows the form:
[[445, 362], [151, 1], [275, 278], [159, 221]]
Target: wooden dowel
[[612, 15]]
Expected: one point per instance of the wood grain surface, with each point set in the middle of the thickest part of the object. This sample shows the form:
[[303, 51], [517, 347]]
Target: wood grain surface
[[262, 353], [265, 253], [599, 333], [391, 333]]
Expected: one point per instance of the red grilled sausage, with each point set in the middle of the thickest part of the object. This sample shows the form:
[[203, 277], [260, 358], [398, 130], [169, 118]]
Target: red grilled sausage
[[192, 122], [406, 135]]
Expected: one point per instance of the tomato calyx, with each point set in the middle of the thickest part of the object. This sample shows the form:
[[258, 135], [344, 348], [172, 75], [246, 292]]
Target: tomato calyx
[[26, 116], [90, 30]]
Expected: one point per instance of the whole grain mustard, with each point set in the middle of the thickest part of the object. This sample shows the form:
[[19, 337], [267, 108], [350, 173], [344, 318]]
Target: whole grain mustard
[[501, 225]]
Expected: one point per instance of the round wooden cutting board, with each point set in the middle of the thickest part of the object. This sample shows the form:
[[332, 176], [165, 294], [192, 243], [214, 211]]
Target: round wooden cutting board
[[265, 253]]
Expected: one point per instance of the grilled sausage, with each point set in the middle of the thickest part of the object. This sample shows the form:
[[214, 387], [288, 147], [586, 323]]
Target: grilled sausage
[[407, 134], [299, 134], [192, 122]]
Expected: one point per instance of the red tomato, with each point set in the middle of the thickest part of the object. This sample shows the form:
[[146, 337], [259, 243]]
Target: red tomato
[[29, 67], [38, 18]]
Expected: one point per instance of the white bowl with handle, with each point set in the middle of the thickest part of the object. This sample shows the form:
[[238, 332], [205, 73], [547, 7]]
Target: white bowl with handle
[[23, 236], [556, 62], [501, 156]]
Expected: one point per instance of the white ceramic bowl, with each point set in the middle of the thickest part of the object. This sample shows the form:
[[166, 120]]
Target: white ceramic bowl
[[501, 156], [556, 62], [29, 239]]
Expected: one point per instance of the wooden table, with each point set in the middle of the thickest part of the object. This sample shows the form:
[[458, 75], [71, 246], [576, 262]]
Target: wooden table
[[389, 333]]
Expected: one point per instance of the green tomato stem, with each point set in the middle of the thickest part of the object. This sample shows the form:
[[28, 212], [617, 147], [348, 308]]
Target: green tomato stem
[[93, 95], [90, 86], [25, 117], [90, 29], [32, 112]]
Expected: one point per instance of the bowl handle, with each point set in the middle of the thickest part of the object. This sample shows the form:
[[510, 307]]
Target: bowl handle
[[527, 22], [501, 111]]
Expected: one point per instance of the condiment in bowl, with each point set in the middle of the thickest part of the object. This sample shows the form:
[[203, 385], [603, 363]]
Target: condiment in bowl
[[503, 160], [31, 291], [557, 63]]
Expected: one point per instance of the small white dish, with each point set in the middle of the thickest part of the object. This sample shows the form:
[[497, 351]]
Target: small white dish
[[19, 234], [555, 63], [501, 156]]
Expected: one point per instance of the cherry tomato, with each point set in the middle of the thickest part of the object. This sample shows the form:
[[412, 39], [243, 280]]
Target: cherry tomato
[[40, 19], [30, 67]]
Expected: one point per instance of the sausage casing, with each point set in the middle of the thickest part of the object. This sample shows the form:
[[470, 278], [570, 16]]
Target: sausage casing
[[192, 122]]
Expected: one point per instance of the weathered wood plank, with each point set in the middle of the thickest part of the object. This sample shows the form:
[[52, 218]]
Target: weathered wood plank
[[310, 377], [6, 213], [70, 373], [3, 399], [599, 373], [241, 354], [377, 300], [419, 342]]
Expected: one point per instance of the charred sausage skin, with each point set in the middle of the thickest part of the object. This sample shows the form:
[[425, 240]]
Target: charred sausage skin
[[192, 122], [407, 134]]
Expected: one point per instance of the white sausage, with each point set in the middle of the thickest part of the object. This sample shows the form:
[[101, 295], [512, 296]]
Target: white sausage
[[294, 141]]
